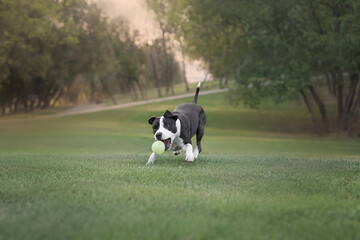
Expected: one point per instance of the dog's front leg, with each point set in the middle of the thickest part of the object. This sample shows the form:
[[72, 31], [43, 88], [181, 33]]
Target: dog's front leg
[[189, 155], [151, 159]]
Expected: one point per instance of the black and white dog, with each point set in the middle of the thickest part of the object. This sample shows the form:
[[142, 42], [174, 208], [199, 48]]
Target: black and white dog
[[175, 129]]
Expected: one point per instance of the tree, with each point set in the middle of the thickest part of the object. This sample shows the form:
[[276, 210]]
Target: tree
[[27, 29], [281, 49], [49, 48], [169, 20], [162, 70]]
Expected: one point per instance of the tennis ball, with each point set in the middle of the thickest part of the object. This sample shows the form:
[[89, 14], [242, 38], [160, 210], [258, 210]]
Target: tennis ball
[[158, 147]]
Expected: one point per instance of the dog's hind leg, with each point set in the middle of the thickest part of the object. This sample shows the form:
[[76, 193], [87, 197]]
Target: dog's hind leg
[[199, 135]]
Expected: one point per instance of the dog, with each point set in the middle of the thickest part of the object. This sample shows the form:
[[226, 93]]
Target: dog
[[175, 129]]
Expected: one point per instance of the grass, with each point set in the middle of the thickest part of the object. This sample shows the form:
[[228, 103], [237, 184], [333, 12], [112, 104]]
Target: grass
[[262, 175]]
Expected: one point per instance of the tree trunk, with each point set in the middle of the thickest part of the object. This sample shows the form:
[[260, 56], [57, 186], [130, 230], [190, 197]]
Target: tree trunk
[[354, 116], [328, 80], [340, 80], [32, 103], [311, 112], [220, 81], [171, 75], [133, 91], [3, 110], [183, 66], [333, 76], [46, 103], [16, 104], [159, 91], [321, 107], [25, 103], [107, 90], [10, 107], [354, 78], [226, 80], [57, 97], [48, 98], [155, 74], [38, 105], [140, 88], [167, 78], [340, 100]]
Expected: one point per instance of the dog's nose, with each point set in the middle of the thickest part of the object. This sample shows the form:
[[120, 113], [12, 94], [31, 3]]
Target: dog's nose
[[158, 136]]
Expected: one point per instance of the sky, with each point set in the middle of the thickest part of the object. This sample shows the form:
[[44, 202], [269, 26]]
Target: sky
[[143, 19]]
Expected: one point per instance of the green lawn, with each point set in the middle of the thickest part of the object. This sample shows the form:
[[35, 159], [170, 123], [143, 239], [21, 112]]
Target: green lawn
[[262, 175]]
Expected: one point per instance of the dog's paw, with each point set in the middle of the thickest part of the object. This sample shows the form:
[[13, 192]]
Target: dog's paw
[[151, 159], [189, 157], [177, 152]]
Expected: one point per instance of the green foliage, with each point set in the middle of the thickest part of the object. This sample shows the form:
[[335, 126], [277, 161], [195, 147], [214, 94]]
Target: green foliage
[[277, 48], [51, 50]]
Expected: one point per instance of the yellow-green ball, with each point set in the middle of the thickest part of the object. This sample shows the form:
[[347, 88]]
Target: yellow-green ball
[[158, 147]]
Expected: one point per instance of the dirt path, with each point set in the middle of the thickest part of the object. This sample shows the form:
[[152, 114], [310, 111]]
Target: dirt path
[[89, 108]]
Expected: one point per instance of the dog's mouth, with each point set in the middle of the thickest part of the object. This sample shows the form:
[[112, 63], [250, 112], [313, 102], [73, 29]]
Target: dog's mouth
[[167, 143]]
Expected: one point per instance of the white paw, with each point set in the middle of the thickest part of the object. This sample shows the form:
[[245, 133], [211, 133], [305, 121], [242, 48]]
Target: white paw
[[189, 157], [151, 159], [177, 152]]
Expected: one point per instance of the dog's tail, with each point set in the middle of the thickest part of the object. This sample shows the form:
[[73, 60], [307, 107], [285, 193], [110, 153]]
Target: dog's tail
[[197, 92]]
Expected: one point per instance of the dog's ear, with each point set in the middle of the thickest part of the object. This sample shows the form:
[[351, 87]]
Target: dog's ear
[[169, 114], [151, 120], [175, 117]]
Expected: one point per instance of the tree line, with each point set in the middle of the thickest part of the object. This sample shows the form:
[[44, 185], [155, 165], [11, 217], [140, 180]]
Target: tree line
[[52, 50], [281, 49]]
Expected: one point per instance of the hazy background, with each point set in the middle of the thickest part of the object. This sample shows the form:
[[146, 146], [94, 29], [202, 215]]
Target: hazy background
[[142, 19], [110, 52]]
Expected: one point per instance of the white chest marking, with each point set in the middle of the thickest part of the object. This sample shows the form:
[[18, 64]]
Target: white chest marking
[[177, 144]]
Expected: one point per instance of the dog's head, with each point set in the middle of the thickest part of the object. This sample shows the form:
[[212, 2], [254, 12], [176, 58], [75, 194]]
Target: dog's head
[[166, 128]]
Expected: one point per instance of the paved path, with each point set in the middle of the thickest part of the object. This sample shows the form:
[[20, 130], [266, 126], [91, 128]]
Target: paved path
[[89, 108]]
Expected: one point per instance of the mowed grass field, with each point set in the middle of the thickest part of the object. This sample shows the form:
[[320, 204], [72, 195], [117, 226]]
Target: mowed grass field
[[262, 175]]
